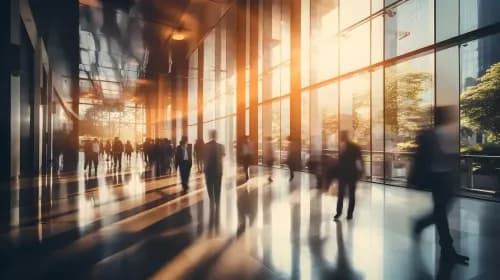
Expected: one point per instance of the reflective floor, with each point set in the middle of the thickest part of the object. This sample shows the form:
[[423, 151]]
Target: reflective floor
[[128, 225]]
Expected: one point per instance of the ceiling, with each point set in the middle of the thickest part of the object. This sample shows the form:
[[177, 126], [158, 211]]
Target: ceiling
[[124, 43]]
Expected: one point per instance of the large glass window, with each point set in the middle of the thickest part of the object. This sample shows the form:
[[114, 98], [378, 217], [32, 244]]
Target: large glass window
[[377, 122], [355, 112], [475, 14], [354, 48], [480, 115], [325, 120], [409, 26], [409, 98], [352, 11], [324, 40]]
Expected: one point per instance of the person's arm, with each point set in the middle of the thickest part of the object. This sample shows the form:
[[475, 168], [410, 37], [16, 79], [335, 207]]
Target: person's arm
[[360, 164]]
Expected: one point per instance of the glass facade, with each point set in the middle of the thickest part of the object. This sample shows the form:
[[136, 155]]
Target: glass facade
[[374, 68]]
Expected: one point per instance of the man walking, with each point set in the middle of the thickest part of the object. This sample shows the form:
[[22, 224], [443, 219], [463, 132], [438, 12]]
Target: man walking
[[351, 169], [214, 153], [184, 161]]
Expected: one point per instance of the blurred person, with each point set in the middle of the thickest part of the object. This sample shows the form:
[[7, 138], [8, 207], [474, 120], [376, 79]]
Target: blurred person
[[87, 155], [435, 166], [293, 158], [246, 153], [101, 148], [198, 154], [94, 156], [107, 148], [128, 150], [170, 155], [214, 154], [268, 157], [145, 150], [184, 161], [350, 168], [117, 150]]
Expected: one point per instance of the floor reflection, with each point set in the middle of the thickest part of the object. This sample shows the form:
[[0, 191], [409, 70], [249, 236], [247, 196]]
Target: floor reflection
[[129, 225]]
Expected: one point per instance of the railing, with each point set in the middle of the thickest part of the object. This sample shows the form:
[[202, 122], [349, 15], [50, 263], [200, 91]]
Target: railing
[[480, 173]]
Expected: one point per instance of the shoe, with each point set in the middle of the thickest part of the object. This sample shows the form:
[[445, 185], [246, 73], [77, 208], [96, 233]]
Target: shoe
[[453, 257], [337, 216], [269, 179], [349, 217]]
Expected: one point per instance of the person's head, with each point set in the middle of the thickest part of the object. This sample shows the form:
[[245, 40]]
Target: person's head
[[269, 138], [95, 140], [446, 114], [344, 136], [184, 139], [212, 134]]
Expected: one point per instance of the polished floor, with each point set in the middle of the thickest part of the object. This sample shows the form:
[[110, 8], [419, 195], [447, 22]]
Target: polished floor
[[128, 225]]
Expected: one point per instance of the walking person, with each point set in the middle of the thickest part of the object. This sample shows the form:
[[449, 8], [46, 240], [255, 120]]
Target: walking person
[[214, 154], [128, 151], [198, 154], [170, 155], [87, 155], [435, 167], [247, 152], [351, 168], [107, 149], [293, 158], [94, 156], [117, 150], [268, 157], [184, 161]]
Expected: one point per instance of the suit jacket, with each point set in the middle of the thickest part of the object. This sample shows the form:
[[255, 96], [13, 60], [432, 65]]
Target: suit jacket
[[347, 166], [214, 153], [179, 154]]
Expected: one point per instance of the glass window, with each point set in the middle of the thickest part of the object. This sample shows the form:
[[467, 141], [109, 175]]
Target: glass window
[[409, 26], [324, 40], [409, 97], [324, 120], [475, 14], [377, 125], [305, 126], [352, 11], [354, 52], [355, 112], [479, 112], [377, 43], [447, 22]]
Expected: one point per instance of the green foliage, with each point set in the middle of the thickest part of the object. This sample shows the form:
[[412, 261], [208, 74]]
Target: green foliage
[[480, 105], [406, 111]]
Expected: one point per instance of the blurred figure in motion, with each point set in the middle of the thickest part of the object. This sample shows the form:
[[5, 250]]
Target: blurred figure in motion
[[293, 159], [435, 166], [170, 155], [94, 156], [214, 154], [268, 157], [87, 151], [246, 153], [350, 170], [101, 148], [117, 150], [107, 148], [184, 161], [198, 154], [128, 150]]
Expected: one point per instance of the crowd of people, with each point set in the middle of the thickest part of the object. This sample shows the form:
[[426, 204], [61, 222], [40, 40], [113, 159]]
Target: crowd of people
[[433, 167]]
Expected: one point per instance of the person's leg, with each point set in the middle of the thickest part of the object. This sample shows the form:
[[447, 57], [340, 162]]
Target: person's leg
[[340, 198], [352, 199], [96, 162]]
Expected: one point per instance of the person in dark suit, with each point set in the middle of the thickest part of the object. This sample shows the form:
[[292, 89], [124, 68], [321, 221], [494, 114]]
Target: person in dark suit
[[439, 172], [117, 150], [214, 153], [350, 170], [184, 161]]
